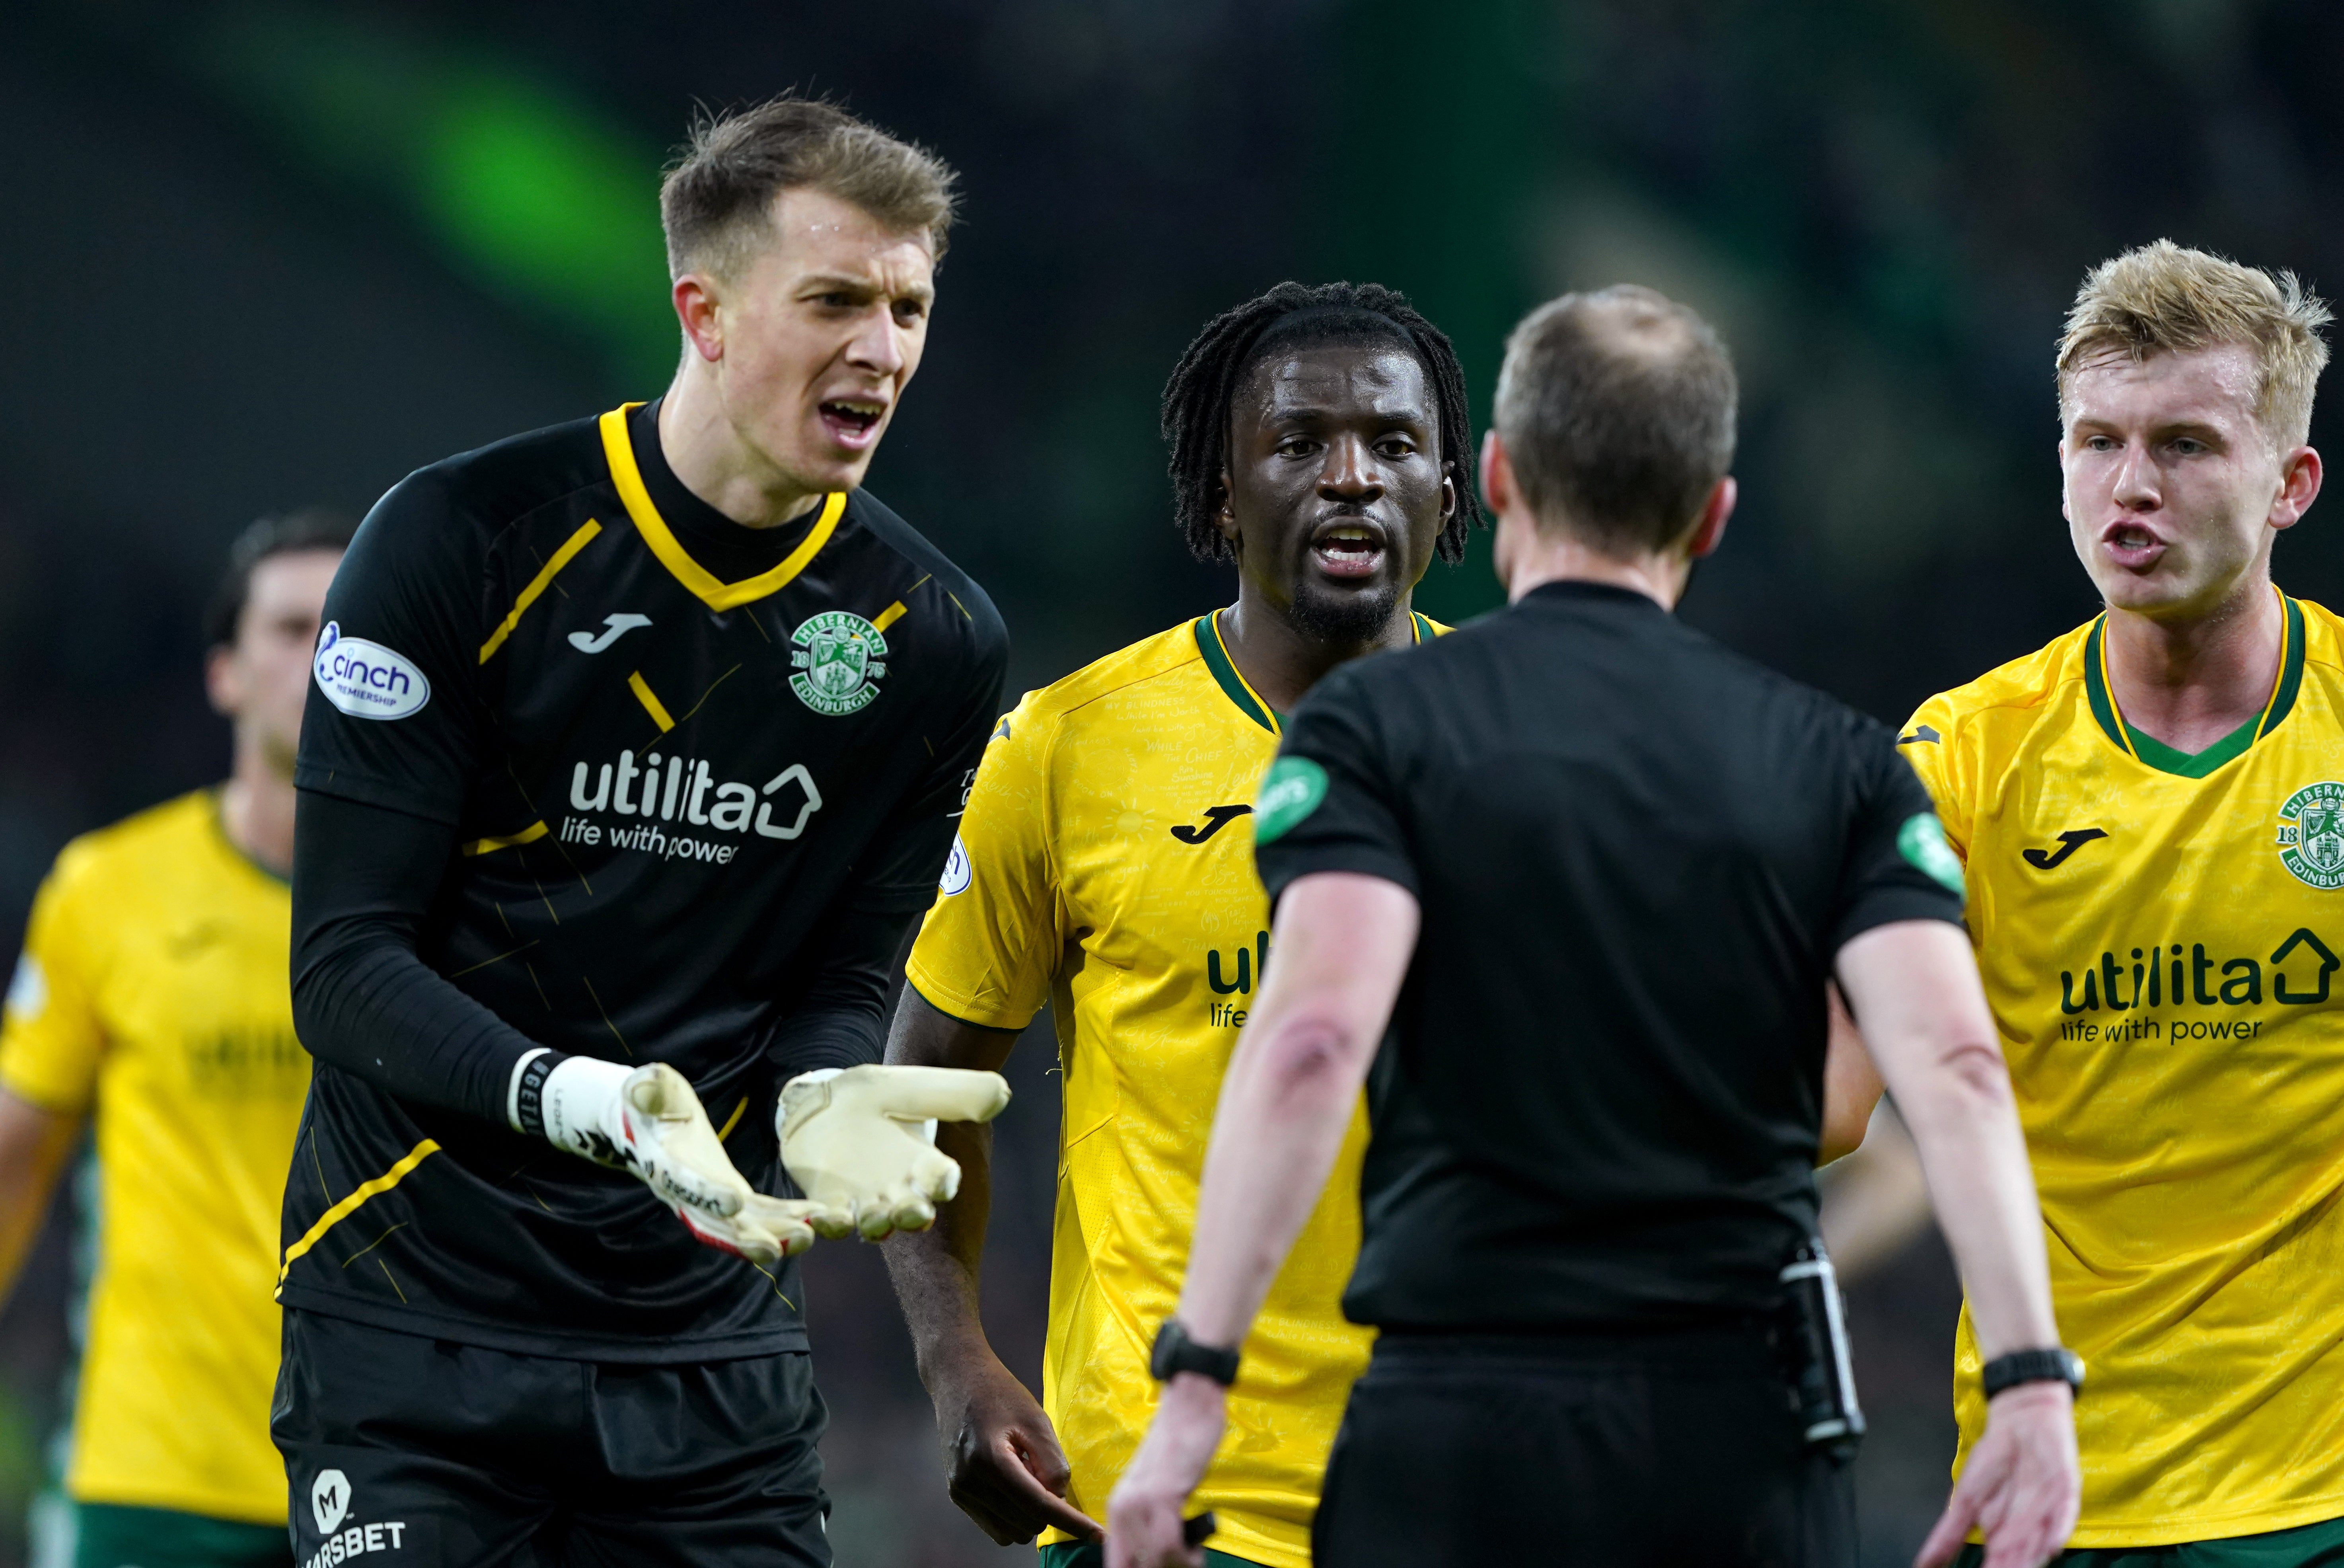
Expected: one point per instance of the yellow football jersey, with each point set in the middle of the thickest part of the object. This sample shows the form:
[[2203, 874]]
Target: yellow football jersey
[[2159, 937], [1105, 865], [153, 990]]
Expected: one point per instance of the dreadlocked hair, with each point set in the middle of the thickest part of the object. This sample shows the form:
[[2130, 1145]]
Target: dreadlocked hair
[[1196, 420]]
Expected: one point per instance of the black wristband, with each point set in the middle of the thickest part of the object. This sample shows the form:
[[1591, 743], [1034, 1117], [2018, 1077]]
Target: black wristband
[[2052, 1366], [1174, 1351], [529, 1090]]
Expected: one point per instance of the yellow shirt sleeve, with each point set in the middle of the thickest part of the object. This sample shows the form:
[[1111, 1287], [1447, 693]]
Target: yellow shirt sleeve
[[1931, 743], [50, 1037], [990, 943]]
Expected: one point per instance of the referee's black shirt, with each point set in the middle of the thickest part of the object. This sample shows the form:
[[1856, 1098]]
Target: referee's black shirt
[[1637, 855]]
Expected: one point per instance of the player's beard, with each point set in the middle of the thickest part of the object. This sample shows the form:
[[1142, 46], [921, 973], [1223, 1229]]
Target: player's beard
[[1341, 618]]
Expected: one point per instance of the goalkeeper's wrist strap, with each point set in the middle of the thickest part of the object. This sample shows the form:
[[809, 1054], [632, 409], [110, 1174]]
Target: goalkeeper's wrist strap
[[525, 1094], [1176, 1352]]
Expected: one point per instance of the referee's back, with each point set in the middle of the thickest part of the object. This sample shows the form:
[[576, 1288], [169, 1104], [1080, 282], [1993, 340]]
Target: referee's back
[[1564, 891], [1636, 854]]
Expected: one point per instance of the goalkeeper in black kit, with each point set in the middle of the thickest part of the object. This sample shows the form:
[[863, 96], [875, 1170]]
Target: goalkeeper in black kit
[[632, 750]]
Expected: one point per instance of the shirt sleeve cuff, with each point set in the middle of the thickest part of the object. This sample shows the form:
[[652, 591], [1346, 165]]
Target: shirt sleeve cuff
[[1891, 905], [1361, 859], [958, 1008]]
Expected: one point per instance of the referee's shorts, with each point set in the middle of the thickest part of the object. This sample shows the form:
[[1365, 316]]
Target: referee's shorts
[[1670, 1450], [408, 1451]]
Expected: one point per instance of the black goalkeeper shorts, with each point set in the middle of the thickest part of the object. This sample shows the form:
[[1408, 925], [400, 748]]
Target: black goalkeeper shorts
[[1652, 1451], [406, 1451]]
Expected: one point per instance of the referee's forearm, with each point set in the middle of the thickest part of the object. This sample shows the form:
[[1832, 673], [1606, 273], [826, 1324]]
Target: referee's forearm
[[1284, 1109], [1913, 989], [1965, 1128], [1339, 948]]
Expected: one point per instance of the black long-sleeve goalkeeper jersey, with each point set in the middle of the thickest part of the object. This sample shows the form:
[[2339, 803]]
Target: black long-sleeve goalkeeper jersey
[[588, 766]]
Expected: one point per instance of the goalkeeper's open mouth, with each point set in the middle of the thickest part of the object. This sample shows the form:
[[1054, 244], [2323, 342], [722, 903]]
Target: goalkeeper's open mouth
[[853, 422]]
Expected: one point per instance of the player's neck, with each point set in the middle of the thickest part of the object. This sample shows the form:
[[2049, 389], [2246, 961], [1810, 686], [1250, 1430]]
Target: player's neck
[[2190, 681], [1532, 559], [709, 457], [1281, 662], [256, 810]]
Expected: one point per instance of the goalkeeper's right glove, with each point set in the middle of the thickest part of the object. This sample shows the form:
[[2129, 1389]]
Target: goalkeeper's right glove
[[647, 1122]]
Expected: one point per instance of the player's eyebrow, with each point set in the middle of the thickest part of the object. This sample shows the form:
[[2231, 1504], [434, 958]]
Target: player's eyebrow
[[860, 287], [1413, 417], [2092, 424]]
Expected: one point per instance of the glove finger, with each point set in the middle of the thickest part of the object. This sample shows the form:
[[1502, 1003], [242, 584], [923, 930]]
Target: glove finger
[[877, 1221], [750, 1242], [934, 1177], [663, 1094], [782, 1221], [939, 1094], [913, 1214], [834, 1221]]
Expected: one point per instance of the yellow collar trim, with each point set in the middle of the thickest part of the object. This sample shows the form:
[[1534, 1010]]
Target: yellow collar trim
[[717, 595]]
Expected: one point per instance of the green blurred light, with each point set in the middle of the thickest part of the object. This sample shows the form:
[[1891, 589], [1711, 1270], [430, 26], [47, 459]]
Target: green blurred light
[[547, 198], [541, 198]]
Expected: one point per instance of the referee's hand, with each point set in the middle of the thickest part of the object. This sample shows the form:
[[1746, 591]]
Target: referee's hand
[[1144, 1527], [2022, 1485]]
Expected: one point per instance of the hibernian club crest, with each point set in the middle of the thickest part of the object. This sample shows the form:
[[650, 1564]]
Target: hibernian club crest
[[837, 656], [2312, 834]]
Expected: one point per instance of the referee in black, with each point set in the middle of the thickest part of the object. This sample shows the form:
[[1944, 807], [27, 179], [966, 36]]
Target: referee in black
[[1563, 890]]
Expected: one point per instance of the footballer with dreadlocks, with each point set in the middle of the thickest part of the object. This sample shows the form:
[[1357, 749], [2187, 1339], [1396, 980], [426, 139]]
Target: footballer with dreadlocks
[[1320, 442]]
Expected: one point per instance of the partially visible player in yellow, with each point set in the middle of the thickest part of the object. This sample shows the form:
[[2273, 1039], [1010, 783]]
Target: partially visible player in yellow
[[153, 998], [2151, 812], [1106, 864]]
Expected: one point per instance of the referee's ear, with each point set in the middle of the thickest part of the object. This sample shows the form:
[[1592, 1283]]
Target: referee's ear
[[1710, 531], [1498, 486]]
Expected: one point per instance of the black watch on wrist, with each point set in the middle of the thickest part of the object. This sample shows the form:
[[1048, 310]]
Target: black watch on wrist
[[2052, 1366], [1174, 1351]]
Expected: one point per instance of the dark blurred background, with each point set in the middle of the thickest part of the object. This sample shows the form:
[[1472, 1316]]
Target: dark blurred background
[[264, 255]]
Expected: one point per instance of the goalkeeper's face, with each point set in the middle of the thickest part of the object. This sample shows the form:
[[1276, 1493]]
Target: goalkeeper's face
[[1337, 487], [813, 338], [261, 681]]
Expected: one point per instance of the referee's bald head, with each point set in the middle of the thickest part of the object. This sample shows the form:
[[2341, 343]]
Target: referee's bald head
[[1617, 410]]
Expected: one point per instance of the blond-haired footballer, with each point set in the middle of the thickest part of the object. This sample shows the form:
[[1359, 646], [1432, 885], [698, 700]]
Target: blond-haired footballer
[[1105, 864], [2151, 812]]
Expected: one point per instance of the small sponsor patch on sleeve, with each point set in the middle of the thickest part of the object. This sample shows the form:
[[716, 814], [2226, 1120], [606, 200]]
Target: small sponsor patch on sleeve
[[956, 875], [367, 680], [1922, 842], [28, 988], [1290, 792]]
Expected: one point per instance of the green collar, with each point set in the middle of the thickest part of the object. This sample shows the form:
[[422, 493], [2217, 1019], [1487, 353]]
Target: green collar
[[1224, 668], [2150, 752]]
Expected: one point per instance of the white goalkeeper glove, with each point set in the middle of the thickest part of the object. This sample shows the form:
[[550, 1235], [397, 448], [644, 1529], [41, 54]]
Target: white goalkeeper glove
[[860, 1142], [647, 1121]]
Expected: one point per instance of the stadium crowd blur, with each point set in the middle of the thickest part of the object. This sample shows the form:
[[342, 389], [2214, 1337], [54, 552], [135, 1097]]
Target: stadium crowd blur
[[268, 255]]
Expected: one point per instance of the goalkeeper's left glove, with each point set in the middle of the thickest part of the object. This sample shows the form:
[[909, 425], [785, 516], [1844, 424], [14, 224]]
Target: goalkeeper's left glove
[[648, 1121], [860, 1142]]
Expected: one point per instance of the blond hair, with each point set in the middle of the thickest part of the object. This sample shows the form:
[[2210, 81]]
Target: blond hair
[[716, 202], [2164, 299]]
